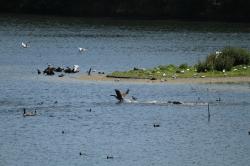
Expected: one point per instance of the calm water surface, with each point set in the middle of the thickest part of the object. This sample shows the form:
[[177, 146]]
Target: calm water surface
[[124, 131]]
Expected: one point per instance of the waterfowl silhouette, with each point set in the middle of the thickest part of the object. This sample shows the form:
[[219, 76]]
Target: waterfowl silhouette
[[49, 70], [89, 110], [134, 98], [175, 102], [156, 125], [89, 71], [59, 69], [60, 75], [110, 157], [120, 96], [219, 99], [28, 113], [68, 70], [38, 71]]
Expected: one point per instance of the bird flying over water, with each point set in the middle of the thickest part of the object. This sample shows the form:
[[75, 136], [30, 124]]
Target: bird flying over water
[[120, 96]]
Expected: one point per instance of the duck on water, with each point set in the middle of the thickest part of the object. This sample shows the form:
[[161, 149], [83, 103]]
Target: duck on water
[[25, 113]]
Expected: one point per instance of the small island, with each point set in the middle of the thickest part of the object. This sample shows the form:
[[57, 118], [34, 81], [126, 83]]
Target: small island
[[231, 64]]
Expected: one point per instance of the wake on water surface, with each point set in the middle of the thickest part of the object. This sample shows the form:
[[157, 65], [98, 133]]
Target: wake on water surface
[[156, 102]]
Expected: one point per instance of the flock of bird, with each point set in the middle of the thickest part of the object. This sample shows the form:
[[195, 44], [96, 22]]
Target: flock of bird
[[80, 49], [119, 96]]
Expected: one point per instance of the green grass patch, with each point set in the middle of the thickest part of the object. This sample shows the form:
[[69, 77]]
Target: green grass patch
[[171, 71]]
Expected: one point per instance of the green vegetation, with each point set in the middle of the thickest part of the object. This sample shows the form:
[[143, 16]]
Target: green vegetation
[[192, 9], [224, 60], [230, 62]]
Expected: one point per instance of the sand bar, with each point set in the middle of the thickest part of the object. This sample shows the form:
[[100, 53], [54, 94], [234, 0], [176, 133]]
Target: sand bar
[[207, 80]]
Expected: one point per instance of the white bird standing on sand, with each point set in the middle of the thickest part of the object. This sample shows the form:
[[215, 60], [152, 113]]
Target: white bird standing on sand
[[24, 45], [82, 49]]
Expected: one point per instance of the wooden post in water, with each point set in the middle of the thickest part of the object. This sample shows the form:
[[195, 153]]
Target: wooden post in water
[[208, 113]]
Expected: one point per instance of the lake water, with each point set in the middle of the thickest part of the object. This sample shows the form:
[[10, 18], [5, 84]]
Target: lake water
[[124, 131]]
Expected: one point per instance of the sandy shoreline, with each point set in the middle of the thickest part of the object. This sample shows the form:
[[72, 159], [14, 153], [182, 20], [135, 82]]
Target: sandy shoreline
[[207, 80]]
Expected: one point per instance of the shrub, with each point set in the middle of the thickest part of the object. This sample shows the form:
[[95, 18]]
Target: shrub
[[202, 67], [223, 62], [168, 67], [239, 55], [183, 66], [211, 60], [163, 67], [229, 57]]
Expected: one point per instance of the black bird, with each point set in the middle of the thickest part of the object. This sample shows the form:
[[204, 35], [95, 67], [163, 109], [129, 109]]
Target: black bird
[[49, 70], [89, 72], [134, 98], [156, 125], [110, 157], [119, 96], [219, 99], [89, 110], [175, 102], [38, 71], [59, 69], [60, 75]]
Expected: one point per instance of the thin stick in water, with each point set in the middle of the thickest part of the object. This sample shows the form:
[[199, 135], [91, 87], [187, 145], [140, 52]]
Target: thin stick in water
[[208, 112]]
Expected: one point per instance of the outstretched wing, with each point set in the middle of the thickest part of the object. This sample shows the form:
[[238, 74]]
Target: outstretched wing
[[118, 94], [125, 94]]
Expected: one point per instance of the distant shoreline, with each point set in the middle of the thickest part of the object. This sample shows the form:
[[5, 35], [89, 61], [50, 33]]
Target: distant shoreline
[[187, 10], [207, 80]]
